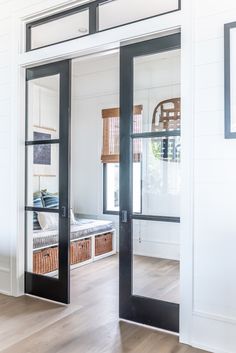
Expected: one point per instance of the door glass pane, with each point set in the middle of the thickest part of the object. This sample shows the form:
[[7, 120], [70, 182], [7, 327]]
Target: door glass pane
[[112, 186], [137, 187], [43, 176], [118, 12], [43, 108], [42, 239], [160, 175], [157, 89], [60, 29], [156, 247]]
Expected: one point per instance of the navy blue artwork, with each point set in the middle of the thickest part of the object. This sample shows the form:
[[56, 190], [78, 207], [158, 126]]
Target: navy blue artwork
[[42, 153]]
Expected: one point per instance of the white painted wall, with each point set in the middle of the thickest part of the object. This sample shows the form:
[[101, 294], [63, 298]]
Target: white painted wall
[[214, 287], [208, 317], [96, 87], [6, 148]]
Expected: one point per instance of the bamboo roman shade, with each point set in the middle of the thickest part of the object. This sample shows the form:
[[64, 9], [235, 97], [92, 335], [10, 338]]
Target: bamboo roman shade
[[111, 134]]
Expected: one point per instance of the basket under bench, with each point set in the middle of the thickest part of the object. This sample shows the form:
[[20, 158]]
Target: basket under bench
[[82, 251]]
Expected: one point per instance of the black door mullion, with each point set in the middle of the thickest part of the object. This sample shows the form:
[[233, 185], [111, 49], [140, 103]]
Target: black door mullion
[[41, 209], [156, 218], [126, 112], [46, 70], [42, 142], [64, 178], [156, 134]]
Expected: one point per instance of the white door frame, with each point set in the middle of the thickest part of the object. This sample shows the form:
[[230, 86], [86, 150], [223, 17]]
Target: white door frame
[[109, 40]]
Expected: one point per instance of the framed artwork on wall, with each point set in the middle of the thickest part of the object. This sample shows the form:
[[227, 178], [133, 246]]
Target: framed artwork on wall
[[42, 153], [230, 79], [44, 156]]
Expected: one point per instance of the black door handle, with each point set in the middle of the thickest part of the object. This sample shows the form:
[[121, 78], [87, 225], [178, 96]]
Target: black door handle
[[63, 211], [124, 216]]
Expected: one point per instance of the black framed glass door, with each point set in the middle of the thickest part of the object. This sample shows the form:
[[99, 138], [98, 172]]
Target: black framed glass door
[[47, 202], [149, 254]]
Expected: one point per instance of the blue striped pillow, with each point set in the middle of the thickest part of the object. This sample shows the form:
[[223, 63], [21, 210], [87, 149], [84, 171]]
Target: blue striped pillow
[[37, 200], [50, 200]]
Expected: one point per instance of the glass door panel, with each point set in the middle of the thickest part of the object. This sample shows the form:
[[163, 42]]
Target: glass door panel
[[156, 260], [156, 80], [150, 171], [117, 13], [43, 175], [47, 182], [43, 108], [159, 175]]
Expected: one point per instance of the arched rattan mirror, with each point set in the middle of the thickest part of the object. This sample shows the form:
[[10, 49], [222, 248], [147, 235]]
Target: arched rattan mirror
[[167, 117]]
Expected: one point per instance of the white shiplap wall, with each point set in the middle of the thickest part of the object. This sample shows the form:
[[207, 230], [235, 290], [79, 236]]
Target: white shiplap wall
[[5, 151], [214, 304]]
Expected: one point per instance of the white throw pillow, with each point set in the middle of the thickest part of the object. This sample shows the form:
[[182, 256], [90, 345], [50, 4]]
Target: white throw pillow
[[72, 217], [48, 221]]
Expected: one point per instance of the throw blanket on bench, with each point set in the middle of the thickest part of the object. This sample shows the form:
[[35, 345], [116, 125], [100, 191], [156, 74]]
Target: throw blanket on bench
[[83, 228]]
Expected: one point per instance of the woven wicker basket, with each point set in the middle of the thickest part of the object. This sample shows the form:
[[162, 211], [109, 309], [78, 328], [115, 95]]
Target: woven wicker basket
[[80, 251], [46, 260], [103, 244]]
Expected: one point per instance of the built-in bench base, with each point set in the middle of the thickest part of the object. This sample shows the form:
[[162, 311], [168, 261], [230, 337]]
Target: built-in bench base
[[82, 251]]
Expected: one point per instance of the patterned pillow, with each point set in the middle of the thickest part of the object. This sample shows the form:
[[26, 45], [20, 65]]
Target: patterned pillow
[[37, 200], [50, 200]]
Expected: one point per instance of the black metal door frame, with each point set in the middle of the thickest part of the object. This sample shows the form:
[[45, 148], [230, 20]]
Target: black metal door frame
[[136, 308], [57, 289]]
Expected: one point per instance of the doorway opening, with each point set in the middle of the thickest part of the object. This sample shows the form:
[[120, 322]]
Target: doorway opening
[[103, 218]]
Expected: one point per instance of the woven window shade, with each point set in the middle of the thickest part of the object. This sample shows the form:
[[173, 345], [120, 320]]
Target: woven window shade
[[111, 134]]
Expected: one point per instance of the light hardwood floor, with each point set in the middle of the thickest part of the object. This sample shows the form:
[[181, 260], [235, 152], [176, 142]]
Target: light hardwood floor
[[88, 325], [156, 278]]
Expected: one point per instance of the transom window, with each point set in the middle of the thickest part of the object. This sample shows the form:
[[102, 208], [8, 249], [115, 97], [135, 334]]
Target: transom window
[[92, 17]]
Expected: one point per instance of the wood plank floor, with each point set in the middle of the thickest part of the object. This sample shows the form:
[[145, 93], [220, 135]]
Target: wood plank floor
[[88, 325], [156, 278]]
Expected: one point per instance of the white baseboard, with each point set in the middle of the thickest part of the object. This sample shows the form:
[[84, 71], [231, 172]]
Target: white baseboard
[[5, 292], [216, 317], [208, 349], [213, 333], [5, 281], [4, 269]]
